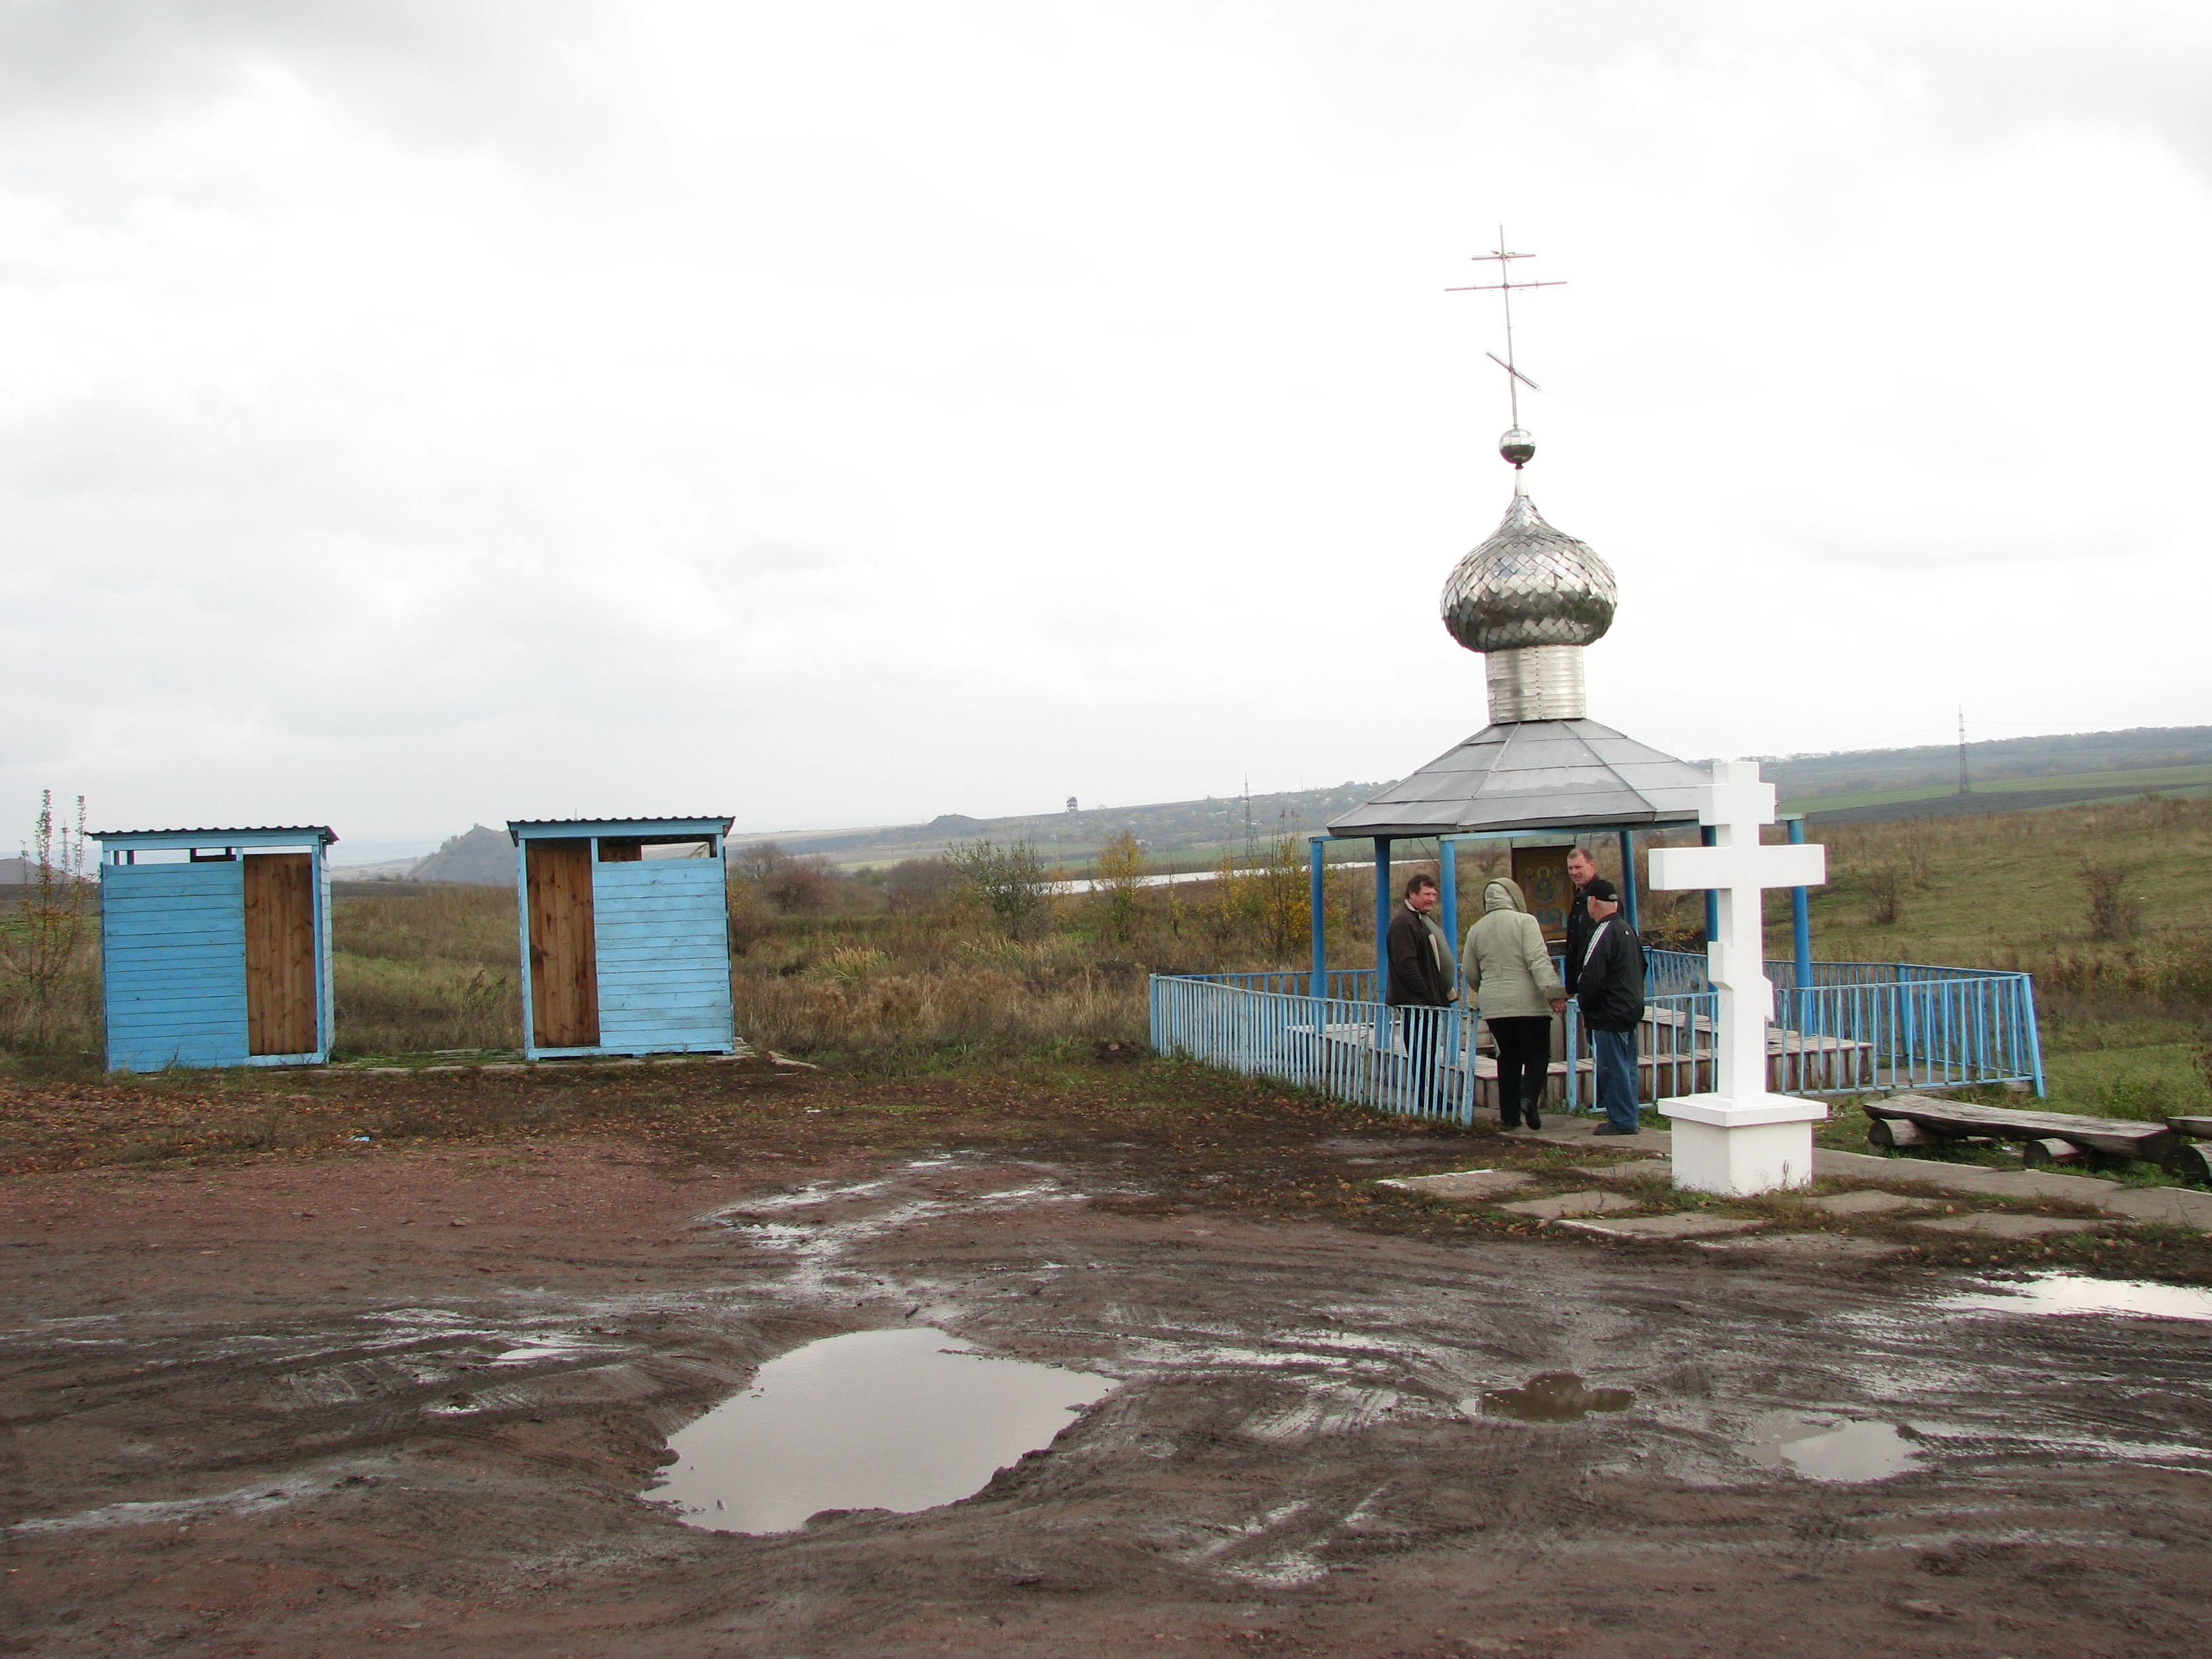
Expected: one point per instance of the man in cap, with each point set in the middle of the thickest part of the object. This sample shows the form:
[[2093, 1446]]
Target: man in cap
[[1609, 986]]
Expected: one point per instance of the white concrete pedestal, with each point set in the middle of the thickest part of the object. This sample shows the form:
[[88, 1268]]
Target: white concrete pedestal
[[1742, 1147]]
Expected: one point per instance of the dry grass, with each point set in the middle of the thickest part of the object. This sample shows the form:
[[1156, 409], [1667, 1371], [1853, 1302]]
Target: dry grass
[[426, 968]]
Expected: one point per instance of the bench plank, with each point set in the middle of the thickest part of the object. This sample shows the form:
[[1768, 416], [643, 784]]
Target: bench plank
[[2122, 1136]]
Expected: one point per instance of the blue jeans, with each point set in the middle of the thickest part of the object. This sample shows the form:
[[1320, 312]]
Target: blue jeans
[[1616, 1076]]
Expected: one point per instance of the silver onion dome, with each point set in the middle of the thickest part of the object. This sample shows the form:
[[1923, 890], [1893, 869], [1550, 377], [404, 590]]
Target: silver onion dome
[[1528, 585]]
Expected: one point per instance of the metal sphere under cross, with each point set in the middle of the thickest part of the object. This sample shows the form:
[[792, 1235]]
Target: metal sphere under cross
[[1739, 1137]]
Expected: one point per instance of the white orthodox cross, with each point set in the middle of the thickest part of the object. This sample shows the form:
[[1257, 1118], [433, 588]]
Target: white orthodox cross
[[1738, 870]]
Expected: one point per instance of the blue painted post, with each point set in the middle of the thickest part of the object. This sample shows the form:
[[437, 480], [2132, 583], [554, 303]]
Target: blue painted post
[[2034, 1034], [1628, 879], [1705, 834], [1801, 934], [522, 932], [1381, 943], [1318, 895], [1448, 885]]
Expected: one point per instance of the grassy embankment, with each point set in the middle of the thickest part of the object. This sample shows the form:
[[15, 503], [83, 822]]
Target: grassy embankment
[[2126, 1018], [908, 976], [2170, 780]]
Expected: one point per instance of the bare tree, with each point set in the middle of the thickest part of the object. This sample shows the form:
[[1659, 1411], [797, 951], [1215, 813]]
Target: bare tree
[[39, 941], [1010, 881]]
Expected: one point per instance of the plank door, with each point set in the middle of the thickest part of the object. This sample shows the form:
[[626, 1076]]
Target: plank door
[[564, 969], [280, 953]]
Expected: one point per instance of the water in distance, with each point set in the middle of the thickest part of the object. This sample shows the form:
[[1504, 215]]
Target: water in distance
[[900, 1419]]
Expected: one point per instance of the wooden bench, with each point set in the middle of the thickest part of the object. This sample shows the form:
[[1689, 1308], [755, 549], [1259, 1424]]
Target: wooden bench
[[1798, 1062], [2189, 1159], [1905, 1120]]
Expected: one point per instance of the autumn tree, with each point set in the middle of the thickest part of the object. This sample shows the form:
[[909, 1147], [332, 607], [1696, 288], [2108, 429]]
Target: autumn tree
[[1119, 884]]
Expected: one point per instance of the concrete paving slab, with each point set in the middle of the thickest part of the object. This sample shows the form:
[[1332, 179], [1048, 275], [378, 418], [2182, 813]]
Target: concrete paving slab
[[1566, 1204], [1558, 1126], [1963, 1177], [1869, 1203], [1682, 1223], [1638, 1169], [1460, 1183], [1992, 1224], [2184, 1206]]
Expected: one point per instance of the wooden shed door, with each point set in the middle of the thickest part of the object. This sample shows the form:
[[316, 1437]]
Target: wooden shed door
[[564, 969], [280, 953]]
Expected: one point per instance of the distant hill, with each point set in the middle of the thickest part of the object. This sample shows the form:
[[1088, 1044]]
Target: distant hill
[[1176, 835], [2007, 774], [482, 858], [1806, 778]]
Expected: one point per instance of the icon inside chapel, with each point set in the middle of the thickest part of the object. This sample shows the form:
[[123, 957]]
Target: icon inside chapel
[[1542, 874]]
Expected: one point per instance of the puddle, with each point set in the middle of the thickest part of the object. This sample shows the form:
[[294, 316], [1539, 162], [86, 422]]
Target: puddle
[[1553, 1397], [2078, 1293], [1829, 1449], [900, 1419]]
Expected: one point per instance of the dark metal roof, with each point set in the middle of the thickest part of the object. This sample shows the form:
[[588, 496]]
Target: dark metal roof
[[213, 835], [1528, 775]]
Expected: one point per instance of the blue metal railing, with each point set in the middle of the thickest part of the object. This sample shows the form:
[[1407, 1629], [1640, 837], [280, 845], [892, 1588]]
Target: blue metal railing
[[1857, 1026], [1426, 1066]]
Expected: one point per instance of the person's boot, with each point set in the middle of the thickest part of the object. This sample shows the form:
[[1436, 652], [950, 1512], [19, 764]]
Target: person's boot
[[1536, 1119], [1506, 1122]]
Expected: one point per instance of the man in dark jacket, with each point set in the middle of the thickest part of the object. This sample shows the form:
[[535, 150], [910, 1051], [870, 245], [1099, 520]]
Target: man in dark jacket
[[1609, 986], [1422, 969], [1421, 961], [1582, 870]]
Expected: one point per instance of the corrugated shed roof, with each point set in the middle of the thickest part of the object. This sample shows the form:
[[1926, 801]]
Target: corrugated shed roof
[[213, 836], [1528, 775], [716, 821]]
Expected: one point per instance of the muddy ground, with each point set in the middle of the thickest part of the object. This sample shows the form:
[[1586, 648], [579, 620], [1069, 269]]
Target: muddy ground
[[271, 1389]]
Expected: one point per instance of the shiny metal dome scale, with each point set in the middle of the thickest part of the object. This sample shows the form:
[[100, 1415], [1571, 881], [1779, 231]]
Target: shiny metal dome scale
[[1528, 585]]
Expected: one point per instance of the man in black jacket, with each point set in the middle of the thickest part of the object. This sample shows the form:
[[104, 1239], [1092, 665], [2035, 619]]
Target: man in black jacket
[[1582, 870], [1610, 989], [1422, 969], [1421, 961]]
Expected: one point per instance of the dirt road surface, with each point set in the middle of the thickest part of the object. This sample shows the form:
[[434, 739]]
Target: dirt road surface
[[404, 1395]]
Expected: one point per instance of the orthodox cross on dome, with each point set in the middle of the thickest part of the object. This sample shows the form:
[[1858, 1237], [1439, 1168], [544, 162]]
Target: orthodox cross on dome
[[1515, 445], [1737, 870]]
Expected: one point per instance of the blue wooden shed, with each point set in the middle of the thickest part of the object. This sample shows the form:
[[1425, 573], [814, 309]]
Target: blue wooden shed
[[625, 936], [215, 947]]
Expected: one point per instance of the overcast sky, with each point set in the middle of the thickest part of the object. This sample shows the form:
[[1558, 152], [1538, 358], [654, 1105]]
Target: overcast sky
[[425, 411]]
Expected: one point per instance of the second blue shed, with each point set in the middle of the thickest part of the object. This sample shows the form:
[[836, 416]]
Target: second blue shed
[[215, 947], [625, 936]]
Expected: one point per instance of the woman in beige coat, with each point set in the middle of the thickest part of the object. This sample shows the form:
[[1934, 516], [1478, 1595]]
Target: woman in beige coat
[[1518, 990]]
